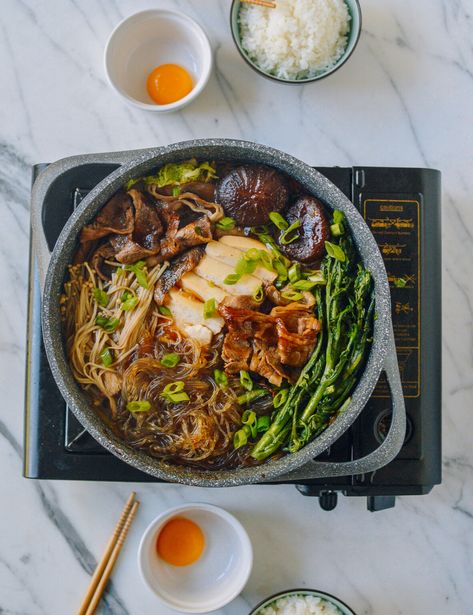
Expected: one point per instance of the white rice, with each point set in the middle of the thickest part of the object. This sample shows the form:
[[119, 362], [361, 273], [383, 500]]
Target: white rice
[[300, 605], [298, 38]]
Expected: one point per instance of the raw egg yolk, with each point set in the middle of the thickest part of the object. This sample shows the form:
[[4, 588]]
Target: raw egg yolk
[[180, 542], [168, 83]]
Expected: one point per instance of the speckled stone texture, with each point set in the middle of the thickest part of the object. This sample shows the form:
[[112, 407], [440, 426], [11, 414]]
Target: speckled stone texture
[[382, 355]]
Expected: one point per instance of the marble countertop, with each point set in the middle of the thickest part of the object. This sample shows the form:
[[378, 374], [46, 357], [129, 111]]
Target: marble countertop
[[403, 99]]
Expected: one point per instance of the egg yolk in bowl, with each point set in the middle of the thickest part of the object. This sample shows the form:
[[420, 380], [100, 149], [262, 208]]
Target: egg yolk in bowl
[[180, 542], [168, 83]]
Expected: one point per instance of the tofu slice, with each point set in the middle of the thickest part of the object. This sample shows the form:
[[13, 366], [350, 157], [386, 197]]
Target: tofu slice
[[243, 243], [231, 255], [189, 311], [216, 272], [201, 288], [199, 333]]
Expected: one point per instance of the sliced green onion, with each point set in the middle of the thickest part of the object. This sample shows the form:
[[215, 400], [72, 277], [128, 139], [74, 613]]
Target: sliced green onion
[[245, 266], [304, 285], [278, 220], [176, 191], [231, 279], [280, 398], [165, 311], [107, 324], [260, 230], [338, 216], [226, 224], [337, 229], [266, 260], [101, 297], [258, 295], [318, 277], [253, 254], [220, 378], [240, 439], [251, 396], [138, 406], [170, 360], [294, 272], [246, 381], [263, 424], [177, 397], [106, 356], [140, 273], [173, 387], [210, 308], [335, 251], [286, 238], [248, 417], [291, 295], [281, 269], [129, 301]]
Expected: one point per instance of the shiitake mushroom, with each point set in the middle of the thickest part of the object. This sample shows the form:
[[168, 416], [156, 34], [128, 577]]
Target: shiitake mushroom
[[313, 231], [248, 193]]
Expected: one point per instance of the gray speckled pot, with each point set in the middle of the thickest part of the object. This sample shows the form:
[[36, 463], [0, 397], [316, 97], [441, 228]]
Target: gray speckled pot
[[382, 356]]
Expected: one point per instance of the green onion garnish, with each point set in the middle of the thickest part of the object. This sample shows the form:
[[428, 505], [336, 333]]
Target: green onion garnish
[[245, 266], [253, 254], [107, 324], [286, 238], [174, 391], [338, 216], [294, 272], [176, 191], [251, 396], [249, 418], [266, 260], [258, 295], [170, 360], [129, 301], [280, 398], [304, 285], [318, 277], [220, 378], [291, 295], [138, 406], [278, 220], [210, 308], [335, 251], [246, 381], [281, 269], [101, 297], [231, 279], [263, 424], [336, 230], [226, 224], [165, 311], [240, 439], [140, 273], [106, 356]]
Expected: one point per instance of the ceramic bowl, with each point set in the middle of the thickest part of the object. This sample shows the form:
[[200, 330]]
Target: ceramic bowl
[[353, 37], [342, 607], [147, 39], [216, 578]]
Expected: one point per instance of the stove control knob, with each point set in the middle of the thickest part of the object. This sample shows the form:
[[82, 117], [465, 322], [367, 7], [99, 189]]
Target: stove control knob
[[328, 500]]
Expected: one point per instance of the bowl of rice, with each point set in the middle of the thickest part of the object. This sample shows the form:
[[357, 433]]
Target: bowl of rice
[[302, 602], [297, 41]]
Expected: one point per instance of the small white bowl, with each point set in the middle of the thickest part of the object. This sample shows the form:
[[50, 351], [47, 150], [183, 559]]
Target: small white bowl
[[216, 578], [147, 39]]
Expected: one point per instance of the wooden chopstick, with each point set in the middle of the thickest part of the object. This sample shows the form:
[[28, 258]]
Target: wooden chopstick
[[266, 3], [108, 559]]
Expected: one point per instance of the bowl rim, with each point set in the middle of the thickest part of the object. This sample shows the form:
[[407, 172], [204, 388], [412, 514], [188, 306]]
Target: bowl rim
[[244, 540], [201, 81], [341, 62], [304, 591]]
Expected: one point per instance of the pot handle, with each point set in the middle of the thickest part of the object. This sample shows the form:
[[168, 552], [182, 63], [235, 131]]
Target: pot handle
[[386, 452], [42, 184]]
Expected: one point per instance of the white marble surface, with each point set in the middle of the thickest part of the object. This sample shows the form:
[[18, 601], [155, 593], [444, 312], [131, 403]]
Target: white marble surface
[[403, 99]]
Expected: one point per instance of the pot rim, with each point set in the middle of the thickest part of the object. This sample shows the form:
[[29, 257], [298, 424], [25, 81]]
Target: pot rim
[[139, 164]]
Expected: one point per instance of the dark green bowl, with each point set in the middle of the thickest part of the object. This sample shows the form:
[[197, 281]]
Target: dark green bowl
[[353, 38]]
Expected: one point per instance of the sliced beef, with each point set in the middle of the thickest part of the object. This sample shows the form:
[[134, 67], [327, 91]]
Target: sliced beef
[[179, 266], [115, 217], [179, 239], [104, 252], [313, 232]]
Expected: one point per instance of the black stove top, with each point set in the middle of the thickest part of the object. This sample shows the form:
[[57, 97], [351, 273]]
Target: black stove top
[[402, 208]]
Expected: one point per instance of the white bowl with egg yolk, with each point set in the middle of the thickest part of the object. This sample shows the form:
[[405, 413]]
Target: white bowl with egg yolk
[[149, 39], [216, 578]]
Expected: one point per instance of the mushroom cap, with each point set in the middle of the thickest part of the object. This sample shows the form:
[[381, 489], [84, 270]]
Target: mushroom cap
[[314, 230]]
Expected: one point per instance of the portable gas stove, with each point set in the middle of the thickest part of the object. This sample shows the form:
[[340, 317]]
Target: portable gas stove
[[402, 208]]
